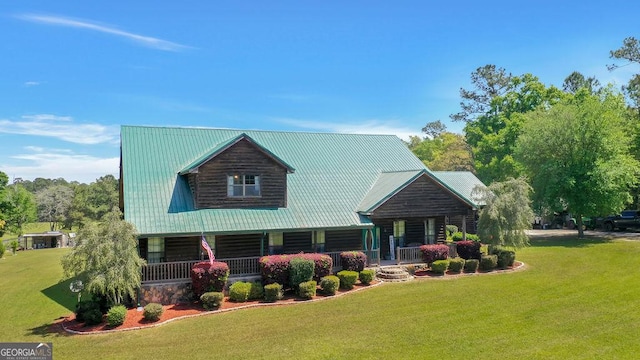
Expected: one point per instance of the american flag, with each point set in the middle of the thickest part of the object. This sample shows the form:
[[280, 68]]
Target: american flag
[[205, 245]]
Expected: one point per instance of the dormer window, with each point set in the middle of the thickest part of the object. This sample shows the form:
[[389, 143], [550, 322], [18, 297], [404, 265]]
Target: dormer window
[[243, 185]]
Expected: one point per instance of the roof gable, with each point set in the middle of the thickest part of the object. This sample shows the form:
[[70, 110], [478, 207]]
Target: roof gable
[[224, 146], [463, 182]]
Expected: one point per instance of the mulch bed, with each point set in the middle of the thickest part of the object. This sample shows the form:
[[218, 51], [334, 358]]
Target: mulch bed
[[135, 320], [427, 273]]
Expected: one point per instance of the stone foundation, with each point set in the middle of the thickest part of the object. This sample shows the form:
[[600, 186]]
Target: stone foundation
[[166, 293]]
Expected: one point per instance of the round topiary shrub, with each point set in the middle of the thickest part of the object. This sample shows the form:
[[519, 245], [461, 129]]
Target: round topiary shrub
[[86, 306], [353, 260], [471, 265], [456, 265], [439, 266], [347, 279], [239, 291], [366, 276], [300, 270], [329, 284], [488, 262], [307, 289], [116, 315], [153, 312], [207, 277], [257, 291], [506, 258], [212, 300], [273, 292], [469, 249]]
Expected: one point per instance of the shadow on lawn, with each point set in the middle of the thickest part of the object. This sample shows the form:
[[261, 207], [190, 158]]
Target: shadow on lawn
[[46, 330], [61, 294]]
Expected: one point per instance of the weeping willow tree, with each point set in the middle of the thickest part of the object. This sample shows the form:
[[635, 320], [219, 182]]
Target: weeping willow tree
[[106, 258], [507, 213]]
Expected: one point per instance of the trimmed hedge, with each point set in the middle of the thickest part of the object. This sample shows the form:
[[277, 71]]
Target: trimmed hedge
[[347, 279], [469, 249], [488, 262], [367, 276], [456, 265], [440, 266], [471, 265], [257, 291], [307, 289], [239, 291], [212, 300], [275, 268], [506, 258], [153, 312], [84, 307], [116, 315], [451, 229], [431, 253], [353, 260], [206, 277], [300, 270], [273, 292], [330, 284]]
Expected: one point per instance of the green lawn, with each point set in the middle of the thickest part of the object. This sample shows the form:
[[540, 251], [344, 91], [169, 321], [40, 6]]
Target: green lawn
[[577, 299]]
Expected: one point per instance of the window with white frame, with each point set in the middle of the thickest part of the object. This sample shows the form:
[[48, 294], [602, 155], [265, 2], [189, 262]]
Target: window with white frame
[[243, 185]]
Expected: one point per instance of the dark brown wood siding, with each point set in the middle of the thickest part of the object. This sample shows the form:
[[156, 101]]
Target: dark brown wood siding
[[295, 242], [470, 219], [421, 199], [244, 245], [343, 240], [181, 248], [414, 232], [243, 158]]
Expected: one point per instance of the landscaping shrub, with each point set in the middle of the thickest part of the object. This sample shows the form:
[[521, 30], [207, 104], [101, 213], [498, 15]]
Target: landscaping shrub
[[211, 300], [307, 289], [471, 265], [300, 270], [14, 246], [89, 312], [456, 265], [353, 260], [152, 312], [239, 291], [206, 277], [457, 236], [473, 237], [116, 315], [488, 262], [275, 268], [431, 253], [347, 279], [439, 266], [257, 291], [323, 265], [273, 292], [469, 249], [367, 276], [506, 257], [329, 284], [2, 249], [451, 229]]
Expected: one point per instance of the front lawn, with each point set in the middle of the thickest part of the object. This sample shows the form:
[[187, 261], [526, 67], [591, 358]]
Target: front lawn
[[577, 299]]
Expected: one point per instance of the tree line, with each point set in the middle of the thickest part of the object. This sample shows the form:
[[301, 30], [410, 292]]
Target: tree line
[[578, 146], [61, 203]]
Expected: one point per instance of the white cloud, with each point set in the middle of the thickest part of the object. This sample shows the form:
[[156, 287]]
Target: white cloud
[[60, 163], [31, 83], [377, 127], [147, 41], [60, 127]]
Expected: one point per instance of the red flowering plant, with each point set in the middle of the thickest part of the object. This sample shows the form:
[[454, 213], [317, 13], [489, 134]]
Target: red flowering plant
[[207, 277], [275, 268], [353, 260], [431, 253]]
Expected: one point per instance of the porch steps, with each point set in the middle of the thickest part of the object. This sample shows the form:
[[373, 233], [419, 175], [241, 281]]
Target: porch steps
[[393, 274]]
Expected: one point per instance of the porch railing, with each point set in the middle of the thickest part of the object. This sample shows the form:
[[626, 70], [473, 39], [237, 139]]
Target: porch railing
[[413, 254], [245, 266]]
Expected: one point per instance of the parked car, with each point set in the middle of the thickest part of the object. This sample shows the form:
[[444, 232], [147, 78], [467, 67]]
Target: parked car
[[628, 219]]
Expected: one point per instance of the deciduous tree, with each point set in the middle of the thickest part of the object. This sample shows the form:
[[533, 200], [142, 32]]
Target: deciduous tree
[[106, 258], [576, 154]]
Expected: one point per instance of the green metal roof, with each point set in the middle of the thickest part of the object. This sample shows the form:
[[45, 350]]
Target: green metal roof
[[387, 185], [462, 182], [333, 174]]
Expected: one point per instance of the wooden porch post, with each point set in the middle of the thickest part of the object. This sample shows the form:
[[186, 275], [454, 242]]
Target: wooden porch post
[[464, 227]]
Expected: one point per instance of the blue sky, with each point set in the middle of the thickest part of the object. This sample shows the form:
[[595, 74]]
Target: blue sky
[[73, 72]]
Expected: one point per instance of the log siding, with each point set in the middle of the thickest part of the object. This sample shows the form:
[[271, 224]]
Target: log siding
[[209, 185]]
